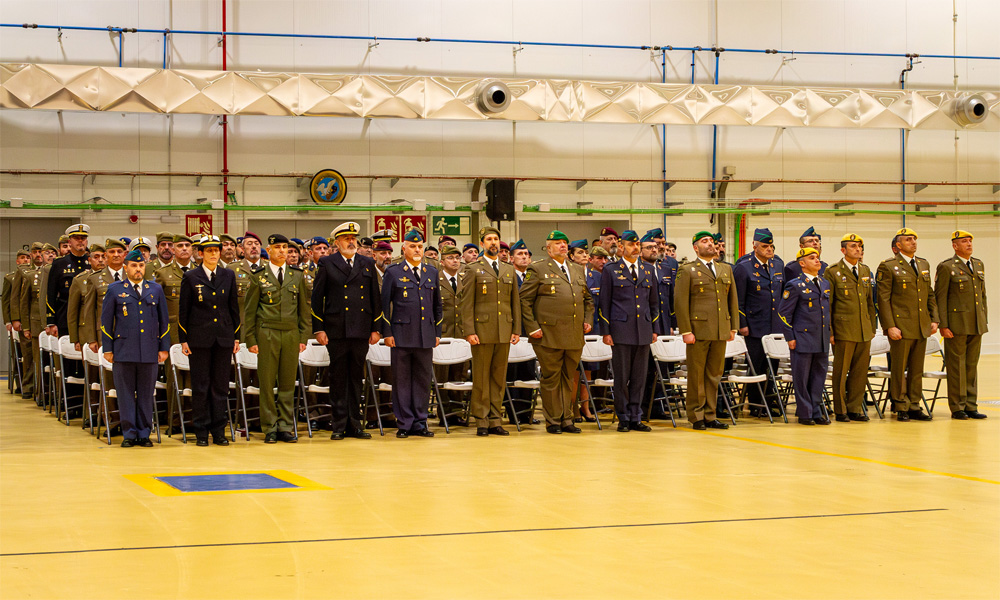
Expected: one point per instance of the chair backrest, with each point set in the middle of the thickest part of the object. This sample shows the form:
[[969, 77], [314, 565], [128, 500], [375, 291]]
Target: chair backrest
[[737, 347], [452, 351], [107, 366], [92, 358], [669, 348], [52, 342], [246, 359], [521, 352], [775, 346], [67, 349], [880, 345], [315, 355], [179, 359], [379, 354], [933, 345], [594, 349], [43, 341]]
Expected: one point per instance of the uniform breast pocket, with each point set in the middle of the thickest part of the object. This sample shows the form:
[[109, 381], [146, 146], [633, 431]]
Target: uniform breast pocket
[[173, 291]]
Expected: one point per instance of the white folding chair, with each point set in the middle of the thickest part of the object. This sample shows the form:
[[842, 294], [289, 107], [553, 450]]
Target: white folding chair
[[934, 347], [15, 362], [178, 362], [879, 347], [379, 355], [745, 375], [316, 356], [67, 352], [522, 352], [104, 415], [92, 361], [451, 351], [669, 350], [776, 349], [596, 351], [46, 371]]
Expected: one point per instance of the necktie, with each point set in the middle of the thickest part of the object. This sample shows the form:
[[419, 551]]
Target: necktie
[[350, 263], [913, 264], [635, 277], [565, 274], [184, 269], [416, 274], [968, 263], [854, 269], [454, 284], [212, 278], [117, 277], [711, 267], [281, 278], [496, 269]]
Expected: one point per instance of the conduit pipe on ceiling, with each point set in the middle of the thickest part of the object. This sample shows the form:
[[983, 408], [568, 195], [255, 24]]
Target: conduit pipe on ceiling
[[643, 47]]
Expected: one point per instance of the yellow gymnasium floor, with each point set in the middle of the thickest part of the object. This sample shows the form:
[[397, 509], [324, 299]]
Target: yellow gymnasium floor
[[876, 510]]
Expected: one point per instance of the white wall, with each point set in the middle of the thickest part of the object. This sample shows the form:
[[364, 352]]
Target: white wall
[[81, 141]]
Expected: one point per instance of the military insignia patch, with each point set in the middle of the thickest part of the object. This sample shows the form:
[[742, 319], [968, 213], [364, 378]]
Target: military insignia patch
[[785, 295]]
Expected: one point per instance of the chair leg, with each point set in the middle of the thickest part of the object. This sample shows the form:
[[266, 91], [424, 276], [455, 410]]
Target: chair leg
[[510, 405], [373, 398], [593, 405], [437, 397], [305, 401]]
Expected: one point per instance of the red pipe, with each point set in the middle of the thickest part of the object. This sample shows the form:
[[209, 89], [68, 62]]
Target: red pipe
[[225, 135]]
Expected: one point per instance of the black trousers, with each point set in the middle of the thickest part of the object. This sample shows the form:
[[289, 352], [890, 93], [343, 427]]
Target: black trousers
[[210, 371], [345, 376], [629, 363]]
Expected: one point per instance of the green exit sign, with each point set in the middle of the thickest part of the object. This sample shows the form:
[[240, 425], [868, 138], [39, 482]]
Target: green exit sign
[[450, 225]]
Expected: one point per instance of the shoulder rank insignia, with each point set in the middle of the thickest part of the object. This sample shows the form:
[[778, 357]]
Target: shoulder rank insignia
[[785, 295]]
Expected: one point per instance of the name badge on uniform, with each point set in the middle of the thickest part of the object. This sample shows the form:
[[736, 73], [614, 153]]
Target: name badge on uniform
[[553, 290], [484, 288], [124, 310]]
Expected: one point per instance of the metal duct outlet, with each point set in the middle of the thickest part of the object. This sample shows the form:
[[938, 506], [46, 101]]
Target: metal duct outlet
[[971, 109], [493, 96]]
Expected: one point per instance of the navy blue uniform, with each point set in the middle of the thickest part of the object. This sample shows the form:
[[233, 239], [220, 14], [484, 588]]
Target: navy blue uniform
[[411, 314], [806, 319], [629, 312], [346, 306], [134, 327], [61, 275], [793, 270], [209, 322], [758, 290]]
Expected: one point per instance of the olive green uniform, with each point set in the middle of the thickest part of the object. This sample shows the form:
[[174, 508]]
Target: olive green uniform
[[490, 307], [451, 327], [244, 271], [707, 306], [169, 277], [74, 305], [21, 278], [5, 296], [906, 301], [559, 308], [852, 303], [960, 293], [32, 312], [277, 319]]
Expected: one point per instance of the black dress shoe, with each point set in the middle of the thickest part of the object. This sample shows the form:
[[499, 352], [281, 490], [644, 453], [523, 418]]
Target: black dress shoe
[[144, 443], [553, 429], [271, 438], [498, 431], [220, 440], [918, 415], [402, 433], [571, 429], [806, 422], [716, 424], [975, 414], [589, 419], [361, 435], [482, 431], [858, 417], [536, 422], [698, 425], [201, 442], [127, 443], [959, 415], [337, 436], [578, 419], [287, 436], [623, 426], [822, 421], [902, 416], [422, 433], [639, 426], [724, 414], [843, 418]]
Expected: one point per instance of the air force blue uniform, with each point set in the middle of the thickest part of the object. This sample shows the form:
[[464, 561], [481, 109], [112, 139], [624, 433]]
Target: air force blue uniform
[[758, 290], [806, 318], [134, 327], [412, 315], [793, 270], [629, 311]]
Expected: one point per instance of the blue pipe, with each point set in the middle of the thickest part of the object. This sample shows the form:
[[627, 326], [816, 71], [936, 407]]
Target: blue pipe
[[121, 47], [663, 139], [495, 42], [165, 42], [715, 130]]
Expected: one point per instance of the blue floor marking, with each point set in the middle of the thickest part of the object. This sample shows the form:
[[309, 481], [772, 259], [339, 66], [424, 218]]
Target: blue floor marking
[[221, 483]]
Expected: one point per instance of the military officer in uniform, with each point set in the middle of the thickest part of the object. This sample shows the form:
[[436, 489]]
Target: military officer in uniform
[[805, 316], [209, 322], [228, 250], [164, 251], [759, 283], [31, 300], [245, 267], [11, 310], [134, 327], [75, 315], [22, 277], [908, 311], [451, 324], [629, 331], [344, 281], [707, 310], [145, 246], [520, 258], [170, 277], [64, 269], [960, 292], [609, 241], [411, 326], [809, 239], [852, 305], [276, 326], [490, 309], [557, 310], [95, 290]]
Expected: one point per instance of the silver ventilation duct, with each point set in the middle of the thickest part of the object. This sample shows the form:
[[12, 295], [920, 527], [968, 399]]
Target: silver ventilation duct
[[180, 91]]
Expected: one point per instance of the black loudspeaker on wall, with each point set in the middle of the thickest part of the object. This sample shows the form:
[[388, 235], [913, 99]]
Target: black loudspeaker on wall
[[500, 200]]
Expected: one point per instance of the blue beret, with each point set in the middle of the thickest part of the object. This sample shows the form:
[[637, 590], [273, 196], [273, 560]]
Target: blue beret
[[263, 254], [718, 238], [578, 244], [127, 240], [134, 256], [298, 241], [414, 235], [470, 245], [518, 245], [650, 236], [763, 235], [320, 240], [811, 232], [629, 236]]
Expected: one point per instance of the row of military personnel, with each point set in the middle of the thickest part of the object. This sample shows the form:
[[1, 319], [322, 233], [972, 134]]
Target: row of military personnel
[[553, 302]]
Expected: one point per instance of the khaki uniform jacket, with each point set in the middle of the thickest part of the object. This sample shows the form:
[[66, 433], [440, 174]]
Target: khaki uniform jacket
[[93, 302], [905, 299], [961, 296], [705, 306], [20, 275], [284, 308], [8, 282], [556, 306], [490, 304], [451, 323], [169, 278], [852, 302], [30, 303], [43, 301], [74, 306], [243, 274]]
